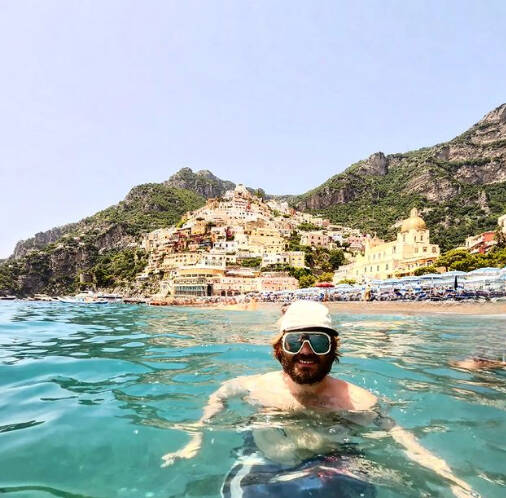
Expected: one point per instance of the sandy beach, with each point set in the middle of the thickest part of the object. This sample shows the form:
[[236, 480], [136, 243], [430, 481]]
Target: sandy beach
[[392, 307]]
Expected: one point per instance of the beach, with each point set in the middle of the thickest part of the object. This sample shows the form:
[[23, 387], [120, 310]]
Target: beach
[[390, 307]]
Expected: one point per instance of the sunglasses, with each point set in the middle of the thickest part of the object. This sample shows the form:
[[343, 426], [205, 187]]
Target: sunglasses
[[319, 342]]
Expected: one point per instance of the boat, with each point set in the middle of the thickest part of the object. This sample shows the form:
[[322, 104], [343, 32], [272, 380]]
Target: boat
[[7, 298], [43, 297], [83, 298]]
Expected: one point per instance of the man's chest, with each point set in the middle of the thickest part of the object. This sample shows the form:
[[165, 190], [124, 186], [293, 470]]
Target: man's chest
[[282, 399]]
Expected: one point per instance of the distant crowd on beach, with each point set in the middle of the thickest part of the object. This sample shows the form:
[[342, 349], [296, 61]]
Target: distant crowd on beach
[[335, 295]]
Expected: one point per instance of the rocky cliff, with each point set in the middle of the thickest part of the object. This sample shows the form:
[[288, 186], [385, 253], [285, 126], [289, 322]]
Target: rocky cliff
[[51, 261], [459, 185], [203, 183]]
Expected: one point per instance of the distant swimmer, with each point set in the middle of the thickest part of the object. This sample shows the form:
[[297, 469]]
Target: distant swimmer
[[491, 356], [291, 457]]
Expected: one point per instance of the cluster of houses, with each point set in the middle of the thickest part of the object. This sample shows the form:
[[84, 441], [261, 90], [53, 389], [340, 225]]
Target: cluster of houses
[[234, 244], [227, 246]]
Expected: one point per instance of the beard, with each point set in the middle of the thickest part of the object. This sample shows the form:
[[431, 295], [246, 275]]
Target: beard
[[306, 374]]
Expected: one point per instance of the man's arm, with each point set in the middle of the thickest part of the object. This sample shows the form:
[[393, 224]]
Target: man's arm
[[215, 404], [424, 457], [364, 400]]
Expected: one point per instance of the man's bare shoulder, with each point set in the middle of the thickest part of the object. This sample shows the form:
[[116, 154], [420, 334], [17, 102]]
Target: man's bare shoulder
[[249, 382], [361, 399], [254, 381]]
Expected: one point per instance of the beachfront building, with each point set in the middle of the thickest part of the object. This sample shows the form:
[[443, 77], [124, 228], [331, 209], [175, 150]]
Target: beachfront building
[[411, 249], [234, 285], [276, 281], [195, 281]]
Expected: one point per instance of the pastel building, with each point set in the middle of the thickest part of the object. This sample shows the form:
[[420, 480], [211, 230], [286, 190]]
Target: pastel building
[[291, 258], [315, 239], [411, 249], [179, 259]]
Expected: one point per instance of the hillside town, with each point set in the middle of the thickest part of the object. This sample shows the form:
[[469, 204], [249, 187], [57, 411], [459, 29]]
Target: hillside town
[[240, 244]]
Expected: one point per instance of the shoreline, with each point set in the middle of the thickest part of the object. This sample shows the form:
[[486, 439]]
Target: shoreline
[[386, 307], [353, 307]]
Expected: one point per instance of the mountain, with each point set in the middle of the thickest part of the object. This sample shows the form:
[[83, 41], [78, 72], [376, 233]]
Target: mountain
[[203, 183], [459, 185], [51, 261]]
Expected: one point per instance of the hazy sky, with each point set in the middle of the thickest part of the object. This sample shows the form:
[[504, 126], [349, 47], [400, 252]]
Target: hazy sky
[[99, 96]]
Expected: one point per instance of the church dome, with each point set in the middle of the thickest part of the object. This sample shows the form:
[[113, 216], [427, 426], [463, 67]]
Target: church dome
[[414, 222]]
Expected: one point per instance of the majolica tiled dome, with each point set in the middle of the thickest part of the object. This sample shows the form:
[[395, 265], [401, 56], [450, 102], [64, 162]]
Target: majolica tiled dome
[[414, 222]]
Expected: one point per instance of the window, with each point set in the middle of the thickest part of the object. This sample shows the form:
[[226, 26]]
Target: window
[[434, 249], [425, 249]]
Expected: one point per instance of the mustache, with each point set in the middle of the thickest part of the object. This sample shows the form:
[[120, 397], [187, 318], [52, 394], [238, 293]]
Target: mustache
[[311, 356]]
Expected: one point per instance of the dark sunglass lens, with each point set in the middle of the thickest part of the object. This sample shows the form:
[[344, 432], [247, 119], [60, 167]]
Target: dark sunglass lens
[[319, 342], [293, 342]]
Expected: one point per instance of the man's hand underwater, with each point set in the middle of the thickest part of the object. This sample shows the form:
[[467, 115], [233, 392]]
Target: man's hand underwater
[[189, 451]]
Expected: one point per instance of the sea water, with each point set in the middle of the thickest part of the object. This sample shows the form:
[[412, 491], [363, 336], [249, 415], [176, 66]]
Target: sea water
[[92, 396]]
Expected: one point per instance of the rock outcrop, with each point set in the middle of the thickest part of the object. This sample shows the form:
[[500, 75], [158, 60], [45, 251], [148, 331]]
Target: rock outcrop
[[202, 182]]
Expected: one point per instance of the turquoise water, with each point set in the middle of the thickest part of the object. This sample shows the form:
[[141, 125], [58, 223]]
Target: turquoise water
[[93, 396]]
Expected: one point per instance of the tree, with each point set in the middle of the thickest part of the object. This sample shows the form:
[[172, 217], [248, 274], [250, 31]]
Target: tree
[[349, 281], [336, 258], [299, 272], [451, 257], [500, 238], [309, 257], [423, 270], [251, 262], [307, 227], [294, 242], [306, 281], [326, 277]]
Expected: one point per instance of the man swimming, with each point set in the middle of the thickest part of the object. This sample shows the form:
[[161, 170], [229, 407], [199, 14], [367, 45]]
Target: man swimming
[[306, 348]]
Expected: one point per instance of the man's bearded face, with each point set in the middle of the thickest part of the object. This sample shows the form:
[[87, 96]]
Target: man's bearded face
[[305, 367]]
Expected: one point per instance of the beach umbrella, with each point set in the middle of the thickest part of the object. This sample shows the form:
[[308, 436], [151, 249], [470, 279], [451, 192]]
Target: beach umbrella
[[487, 272]]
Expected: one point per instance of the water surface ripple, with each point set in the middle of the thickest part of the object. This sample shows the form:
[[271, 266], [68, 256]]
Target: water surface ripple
[[93, 396]]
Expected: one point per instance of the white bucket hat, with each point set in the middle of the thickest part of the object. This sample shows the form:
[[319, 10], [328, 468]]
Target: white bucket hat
[[306, 315]]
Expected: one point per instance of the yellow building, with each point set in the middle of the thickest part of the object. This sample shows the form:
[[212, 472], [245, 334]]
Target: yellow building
[[297, 259], [199, 227], [267, 237], [400, 257], [179, 259], [195, 281]]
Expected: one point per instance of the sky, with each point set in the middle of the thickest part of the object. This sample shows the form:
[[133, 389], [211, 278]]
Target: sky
[[99, 96]]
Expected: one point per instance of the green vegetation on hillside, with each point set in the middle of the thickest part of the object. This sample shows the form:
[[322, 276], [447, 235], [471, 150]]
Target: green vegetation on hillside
[[54, 269], [148, 207], [462, 260], [118, 266], [382, 201], [251, 262]]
